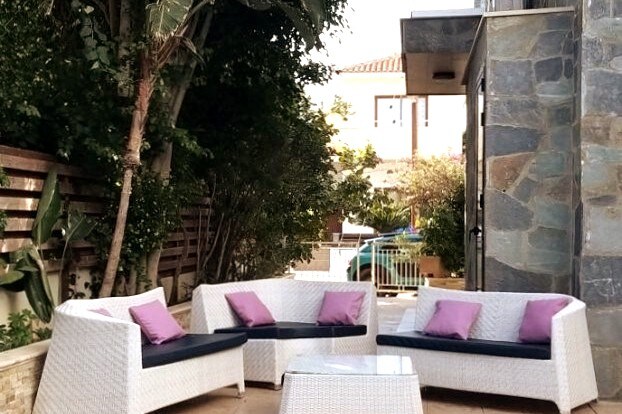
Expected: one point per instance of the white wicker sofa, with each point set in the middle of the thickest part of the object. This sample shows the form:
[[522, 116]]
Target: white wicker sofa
[[288, 300], [566, 378], [95, 362]]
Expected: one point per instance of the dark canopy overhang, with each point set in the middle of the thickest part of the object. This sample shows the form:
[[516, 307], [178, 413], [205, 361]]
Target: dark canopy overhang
[[435, 49]]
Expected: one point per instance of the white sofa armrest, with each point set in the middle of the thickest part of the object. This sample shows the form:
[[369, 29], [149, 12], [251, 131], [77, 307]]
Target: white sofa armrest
[[86, 349], [572, 355]]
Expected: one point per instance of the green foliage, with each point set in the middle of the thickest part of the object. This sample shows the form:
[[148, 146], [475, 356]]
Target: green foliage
[[27, 271], [341, 108], [355, 198], [22, 330], [4, 182], [65, 92], [352, 194], [23, 65], [434, 182], [165, 17], [435, 187], [270, 171], [48, 210], [62, 71], [443, 236], [384, 213], [154, 213]]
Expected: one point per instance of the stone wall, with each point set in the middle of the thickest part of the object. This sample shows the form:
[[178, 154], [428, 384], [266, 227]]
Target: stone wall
[[529, 224], [20, 373], [21, 368], [555, 164], [600, 256]]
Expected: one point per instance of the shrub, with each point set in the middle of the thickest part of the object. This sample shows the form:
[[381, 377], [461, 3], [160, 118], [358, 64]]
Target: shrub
[[23, 329], [435, 188]]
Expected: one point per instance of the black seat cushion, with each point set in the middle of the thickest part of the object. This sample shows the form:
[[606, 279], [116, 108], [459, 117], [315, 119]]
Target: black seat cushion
[[417, 339], [293, 330], [189, 346]]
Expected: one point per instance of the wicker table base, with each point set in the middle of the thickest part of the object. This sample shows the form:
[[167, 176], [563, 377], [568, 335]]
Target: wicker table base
[[344, 384]]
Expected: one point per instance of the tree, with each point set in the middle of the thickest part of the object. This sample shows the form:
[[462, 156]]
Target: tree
[[353, 190], [100, 65], [269, 170], [384, 213], [167, 26]]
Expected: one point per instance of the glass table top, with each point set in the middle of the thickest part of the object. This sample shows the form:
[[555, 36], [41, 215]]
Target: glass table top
[[351, 365]]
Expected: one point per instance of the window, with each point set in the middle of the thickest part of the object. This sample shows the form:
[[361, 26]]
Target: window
[[390, 110]]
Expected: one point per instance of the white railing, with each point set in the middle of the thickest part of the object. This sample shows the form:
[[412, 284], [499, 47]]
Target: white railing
[[392, 268], [336, 268]]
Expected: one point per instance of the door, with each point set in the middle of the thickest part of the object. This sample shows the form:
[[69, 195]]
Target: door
[[475, 182], [477, 232]]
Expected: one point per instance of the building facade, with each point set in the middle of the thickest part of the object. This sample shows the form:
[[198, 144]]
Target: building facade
[[543, 81]]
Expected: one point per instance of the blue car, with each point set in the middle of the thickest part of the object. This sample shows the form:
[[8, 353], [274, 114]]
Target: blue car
[[390, 256]]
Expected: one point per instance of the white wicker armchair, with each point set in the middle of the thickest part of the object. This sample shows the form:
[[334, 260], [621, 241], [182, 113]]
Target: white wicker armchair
[[265, 360], [94, 364], [567, 378]]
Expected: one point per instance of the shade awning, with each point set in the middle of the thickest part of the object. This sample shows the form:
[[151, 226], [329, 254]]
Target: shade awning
[[435, 48]]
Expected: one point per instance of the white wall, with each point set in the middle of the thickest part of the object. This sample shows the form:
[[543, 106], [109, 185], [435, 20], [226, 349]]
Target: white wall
[[391, 141], [446, 122]]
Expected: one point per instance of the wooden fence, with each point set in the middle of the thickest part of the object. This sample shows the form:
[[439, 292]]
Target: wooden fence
[[27, 171]]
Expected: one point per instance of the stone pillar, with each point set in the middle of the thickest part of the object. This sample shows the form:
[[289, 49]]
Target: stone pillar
[[528, 219], [600, 255]]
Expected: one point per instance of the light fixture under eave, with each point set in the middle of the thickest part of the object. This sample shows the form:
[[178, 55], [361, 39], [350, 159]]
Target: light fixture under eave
[[444, 75]]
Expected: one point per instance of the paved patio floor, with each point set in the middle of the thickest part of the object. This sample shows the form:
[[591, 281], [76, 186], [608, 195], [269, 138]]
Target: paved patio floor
[[259, 400]]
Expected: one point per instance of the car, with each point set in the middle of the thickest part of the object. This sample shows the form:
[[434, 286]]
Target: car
[[392, 256]]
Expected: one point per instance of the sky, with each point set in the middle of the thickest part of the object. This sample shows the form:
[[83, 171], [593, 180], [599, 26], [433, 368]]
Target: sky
[[374, 29], [373, 32]]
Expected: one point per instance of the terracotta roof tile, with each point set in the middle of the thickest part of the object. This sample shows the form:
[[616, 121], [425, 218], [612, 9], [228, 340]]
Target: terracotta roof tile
[[386, 64]]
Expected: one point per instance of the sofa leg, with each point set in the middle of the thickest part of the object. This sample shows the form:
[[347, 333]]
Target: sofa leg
[[241, 389], [277, 387]]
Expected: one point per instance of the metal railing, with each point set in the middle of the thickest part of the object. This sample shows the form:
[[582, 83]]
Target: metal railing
[[390, 267]]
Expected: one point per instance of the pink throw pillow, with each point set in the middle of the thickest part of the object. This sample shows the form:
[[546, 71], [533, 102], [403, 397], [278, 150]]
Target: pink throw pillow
[[537, 320], [156, 322], [340, 308], [102, 311], [249, 308], [453, 319]]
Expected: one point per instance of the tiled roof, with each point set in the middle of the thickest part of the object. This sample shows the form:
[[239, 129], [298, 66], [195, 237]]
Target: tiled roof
[[386, 64]]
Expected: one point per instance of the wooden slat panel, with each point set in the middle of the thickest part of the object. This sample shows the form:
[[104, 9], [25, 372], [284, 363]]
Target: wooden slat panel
[[88, 207], [178, 251], [31, 204], [11, 245], [19, 203], [84, 263], [19, 224], [180, 237], [20, 152], [172, 264], [26, 184], [27, 170], [42, 166], [66, 188]]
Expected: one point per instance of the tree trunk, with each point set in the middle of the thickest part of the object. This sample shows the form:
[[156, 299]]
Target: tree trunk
[[131, 162], [162, 162]]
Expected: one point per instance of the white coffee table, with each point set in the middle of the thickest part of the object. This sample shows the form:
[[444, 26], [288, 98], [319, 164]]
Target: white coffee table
[[351, 384]]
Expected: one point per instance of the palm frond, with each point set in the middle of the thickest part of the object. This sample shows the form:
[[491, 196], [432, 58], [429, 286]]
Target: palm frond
[[308, 32], [261, 5], [317, 12], [165, 17]]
